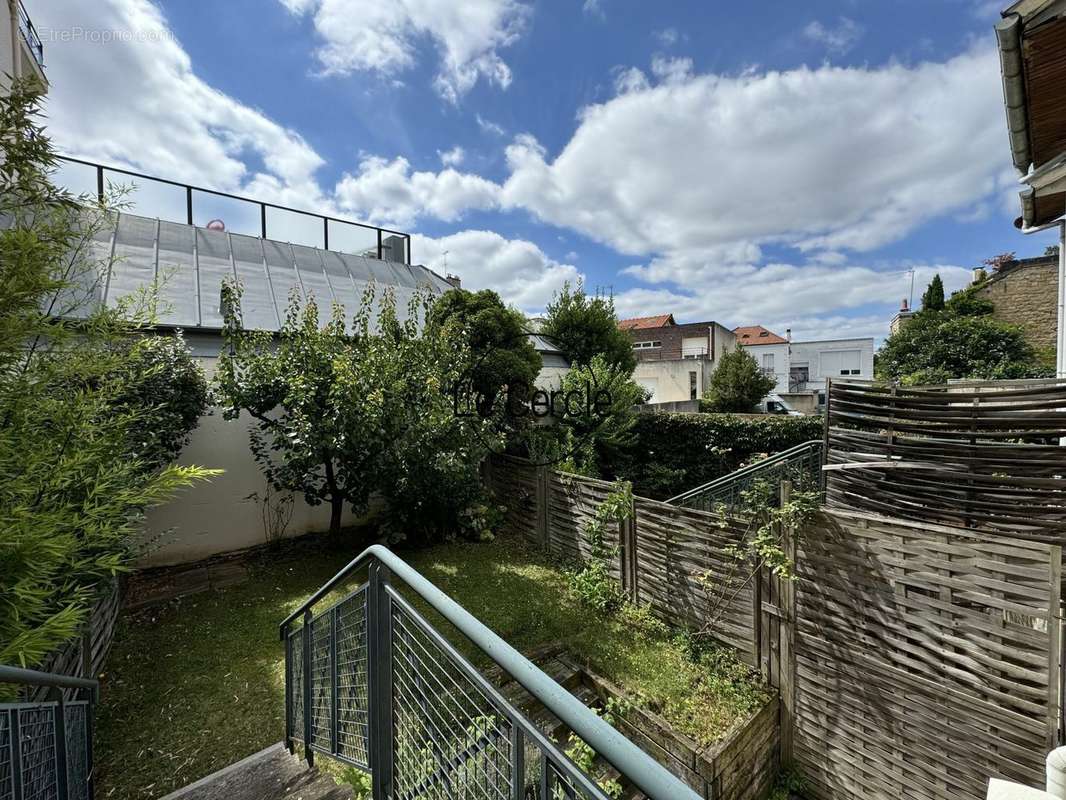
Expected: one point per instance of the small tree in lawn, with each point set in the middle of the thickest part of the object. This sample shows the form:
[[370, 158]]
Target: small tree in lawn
[[319, 427], [738, 384]]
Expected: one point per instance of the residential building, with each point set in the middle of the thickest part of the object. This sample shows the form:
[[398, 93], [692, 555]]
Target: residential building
[[1024, 292], [800, 369], [902, 316], [675, 361], [21, 50], [1032, 39]]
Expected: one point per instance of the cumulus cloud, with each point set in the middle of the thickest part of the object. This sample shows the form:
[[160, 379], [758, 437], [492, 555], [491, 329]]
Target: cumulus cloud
[[519, 270], [138, 103], [837, 39], [698, 161], [384, 37], [389, 192], [453, 157]]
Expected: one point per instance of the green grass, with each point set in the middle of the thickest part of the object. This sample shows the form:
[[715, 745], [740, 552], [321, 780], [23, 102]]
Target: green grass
[[197, 684]]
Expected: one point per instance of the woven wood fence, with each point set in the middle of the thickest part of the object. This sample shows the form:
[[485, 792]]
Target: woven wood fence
[[926, 659], [84, 656], [913, 660], [979, 455]]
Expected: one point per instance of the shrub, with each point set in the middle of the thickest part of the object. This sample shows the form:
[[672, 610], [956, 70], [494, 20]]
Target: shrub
[[672, 453], [76, 470], [738, 384]]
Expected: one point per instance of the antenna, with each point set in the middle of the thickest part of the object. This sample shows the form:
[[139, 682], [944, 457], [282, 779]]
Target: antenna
[[605, 291], [445, 254]]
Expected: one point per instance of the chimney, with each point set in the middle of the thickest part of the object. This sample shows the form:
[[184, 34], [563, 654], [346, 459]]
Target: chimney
[[454, 280], [979, 274], [788, 334], [903, 305]]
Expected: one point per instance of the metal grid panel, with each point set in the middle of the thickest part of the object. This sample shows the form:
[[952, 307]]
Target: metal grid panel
[[313, 277], [177, 274], [213, 262], [296, 679], [257, 301], [36, 727], [352, 685], [7, 788], [321, 681], [452, 739], [78, 767]]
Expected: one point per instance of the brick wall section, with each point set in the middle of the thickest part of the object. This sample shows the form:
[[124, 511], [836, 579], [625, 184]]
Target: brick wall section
[[672, 335], [1025, 293]]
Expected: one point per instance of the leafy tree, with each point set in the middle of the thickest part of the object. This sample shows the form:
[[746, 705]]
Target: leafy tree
[[583, 327], [75, 476], [1051, 250], [501, 354], [738, 384], [933, 298]]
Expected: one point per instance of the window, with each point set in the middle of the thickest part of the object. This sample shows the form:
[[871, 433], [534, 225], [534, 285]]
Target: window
[[645, 345], [692, 386], [768, 361]]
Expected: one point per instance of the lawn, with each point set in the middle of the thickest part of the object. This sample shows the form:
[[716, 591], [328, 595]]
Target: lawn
[[196, 684]]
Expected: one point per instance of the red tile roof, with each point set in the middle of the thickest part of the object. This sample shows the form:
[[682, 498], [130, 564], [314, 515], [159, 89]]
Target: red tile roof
[[757, 334], [640, 323]]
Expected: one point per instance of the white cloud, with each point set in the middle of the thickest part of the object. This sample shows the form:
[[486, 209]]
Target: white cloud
[[821, 159], [671, 70], [387, 37], [138, 103], [667, 37], [809, 298], [488, 126], [594, 8], [388, 192], [453, 157], [837, 39], [628, 80], [517, 269]]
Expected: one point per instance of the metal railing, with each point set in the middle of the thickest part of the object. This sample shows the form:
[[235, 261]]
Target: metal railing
[[29, 34], [388, 241], [370, 682], [802, 465], [46, 749]]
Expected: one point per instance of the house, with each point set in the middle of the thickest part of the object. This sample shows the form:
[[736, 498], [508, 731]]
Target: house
[[675, 361], [1032, 39], [1024, 292], [21, 50], [800, 369]]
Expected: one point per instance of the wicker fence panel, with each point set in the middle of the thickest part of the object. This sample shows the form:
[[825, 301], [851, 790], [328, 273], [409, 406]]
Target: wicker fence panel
[[676, 546], [515, 484], [926, 658], [982, 455], [572, 503]]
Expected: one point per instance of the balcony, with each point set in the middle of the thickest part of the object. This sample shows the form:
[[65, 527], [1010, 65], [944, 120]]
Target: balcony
[[173, 201], [30, 55]]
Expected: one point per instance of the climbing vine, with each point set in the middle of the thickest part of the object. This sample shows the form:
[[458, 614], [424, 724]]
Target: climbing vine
[[595, 583], [760, 545]]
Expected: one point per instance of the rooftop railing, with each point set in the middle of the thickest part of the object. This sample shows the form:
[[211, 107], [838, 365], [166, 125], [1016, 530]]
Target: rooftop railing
[[30, 36], [370, 682], [195, 205]]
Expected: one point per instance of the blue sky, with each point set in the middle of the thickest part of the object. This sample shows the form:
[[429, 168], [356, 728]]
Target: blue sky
[[779, 163]]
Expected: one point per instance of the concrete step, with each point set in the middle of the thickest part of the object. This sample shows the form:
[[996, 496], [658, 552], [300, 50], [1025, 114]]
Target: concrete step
[[270, 774]]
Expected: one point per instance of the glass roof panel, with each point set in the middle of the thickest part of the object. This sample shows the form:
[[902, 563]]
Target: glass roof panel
[[313, 278], [178, 291], [257, 301], [212, 257], [133, 268], [283, 278]]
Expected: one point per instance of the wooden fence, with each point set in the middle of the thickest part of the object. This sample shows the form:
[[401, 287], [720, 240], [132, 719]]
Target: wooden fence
[[977, 455], [913, 660], [84, 656]]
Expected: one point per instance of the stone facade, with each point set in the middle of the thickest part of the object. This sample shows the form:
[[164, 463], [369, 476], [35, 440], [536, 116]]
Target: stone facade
[[1025, 293]]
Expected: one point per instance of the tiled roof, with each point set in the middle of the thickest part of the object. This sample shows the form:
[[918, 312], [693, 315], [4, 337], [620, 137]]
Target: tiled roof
[[640, 323], [757, 334]]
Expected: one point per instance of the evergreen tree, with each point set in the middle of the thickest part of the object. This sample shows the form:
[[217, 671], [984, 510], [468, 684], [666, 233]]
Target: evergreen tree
[[738, 384], [933, 299]]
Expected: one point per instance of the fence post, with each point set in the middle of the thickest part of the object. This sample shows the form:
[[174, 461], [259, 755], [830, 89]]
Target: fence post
[[379, 667], [627, 539], [543, 524], [288, 691], [59, 733], [334, 712], [756, 615], [308, 753], [787, 632]]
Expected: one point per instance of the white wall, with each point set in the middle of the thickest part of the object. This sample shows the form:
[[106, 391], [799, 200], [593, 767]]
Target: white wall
[[779, 352], [825, 359], [670, 379]]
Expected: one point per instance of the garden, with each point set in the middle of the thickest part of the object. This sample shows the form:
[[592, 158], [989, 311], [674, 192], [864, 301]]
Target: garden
[[348, 406]]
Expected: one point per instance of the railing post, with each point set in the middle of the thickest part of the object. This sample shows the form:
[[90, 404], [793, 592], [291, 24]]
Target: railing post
[[288, 689], [100, 183], [308, 753], [90, 711], [325, 233], [59, 734], [518, 763], [334, 714], [379, 244], [188, 204], [379, 678], [16, 752], [263, 220]]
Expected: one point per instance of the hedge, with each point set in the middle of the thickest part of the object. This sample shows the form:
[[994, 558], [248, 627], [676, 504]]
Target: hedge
[[672, 452]]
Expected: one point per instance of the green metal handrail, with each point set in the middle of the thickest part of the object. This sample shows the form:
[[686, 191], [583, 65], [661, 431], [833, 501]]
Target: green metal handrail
[[632, 762], [807, 453]]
